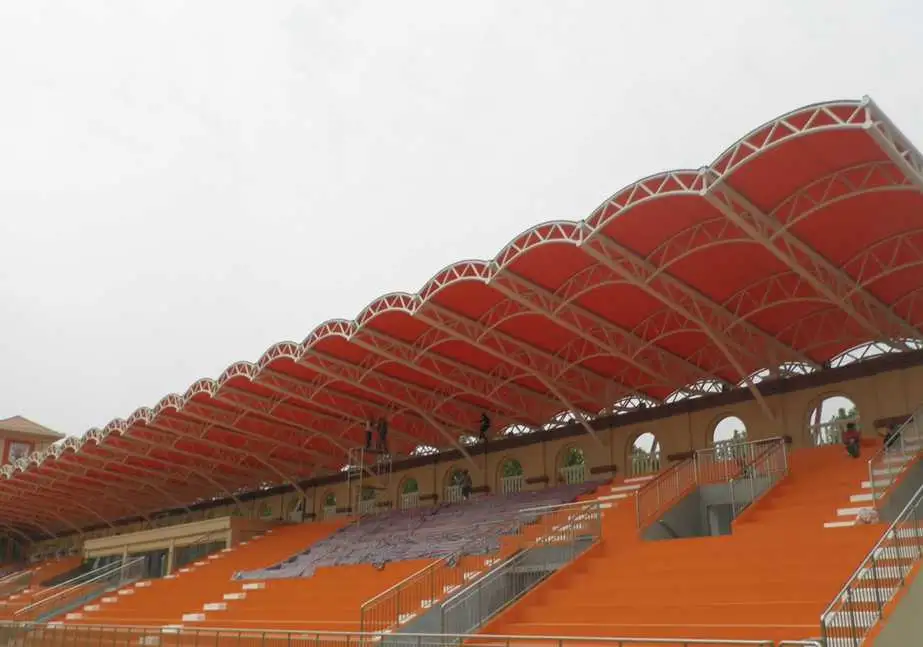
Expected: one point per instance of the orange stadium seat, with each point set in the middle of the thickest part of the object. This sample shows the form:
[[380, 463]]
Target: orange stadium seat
[[747, 585]]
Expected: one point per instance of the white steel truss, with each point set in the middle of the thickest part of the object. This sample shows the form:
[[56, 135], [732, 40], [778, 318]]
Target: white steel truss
[[822, 275]]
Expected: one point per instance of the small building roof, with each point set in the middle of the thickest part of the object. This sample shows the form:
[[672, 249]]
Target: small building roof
[[20, 425]]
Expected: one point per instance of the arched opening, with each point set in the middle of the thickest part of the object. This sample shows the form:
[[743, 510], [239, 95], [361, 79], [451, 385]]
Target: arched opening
[[573, 465], [410, 493], [455, 481], [512, 476], [729, 434], [330, 505], [829, 418], [630, 403], [645, 455], [560, 419], [265, 511], [424, 450], [516, 430]]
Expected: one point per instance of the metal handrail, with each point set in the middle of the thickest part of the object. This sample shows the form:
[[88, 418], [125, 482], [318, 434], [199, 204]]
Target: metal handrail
[[119, 567], [275, 635], [870, 564], [887, 450], [413, 576], [765, 456], [519, 586], [74, 580], [674, 472]]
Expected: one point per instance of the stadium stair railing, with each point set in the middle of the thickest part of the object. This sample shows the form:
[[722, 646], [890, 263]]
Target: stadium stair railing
[[419, 592], [752, 468], [77, 591], [16, 582], [863, 600], [32, 635], [577, 527], [886, 465]]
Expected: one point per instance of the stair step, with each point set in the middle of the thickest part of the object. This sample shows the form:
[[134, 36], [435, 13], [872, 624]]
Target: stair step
[[193, 617], [235, 596], [171, 629], [215, 606], [839, 524], [92, 607], [625, 488], [74, 616], [109, 599], [848, 512], [879, 484], [639, 479], [861, 498], [127, 592], [142, 584], [254, 586]]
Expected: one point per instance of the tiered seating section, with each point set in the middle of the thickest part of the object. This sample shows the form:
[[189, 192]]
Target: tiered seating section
[[325, 586], [771, 579], [423, 534], [34, 591]]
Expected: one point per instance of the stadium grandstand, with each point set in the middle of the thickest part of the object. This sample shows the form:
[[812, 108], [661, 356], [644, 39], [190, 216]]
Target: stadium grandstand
[[627, 429]]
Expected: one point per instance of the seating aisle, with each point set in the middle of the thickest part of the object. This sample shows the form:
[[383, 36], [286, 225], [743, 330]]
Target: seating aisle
[[164, 601], [771, 579]]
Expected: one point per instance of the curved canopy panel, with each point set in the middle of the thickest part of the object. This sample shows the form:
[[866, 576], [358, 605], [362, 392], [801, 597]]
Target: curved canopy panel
[[801, 241]]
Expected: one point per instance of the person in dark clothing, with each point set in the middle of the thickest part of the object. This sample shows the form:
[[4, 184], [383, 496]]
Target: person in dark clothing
[[485, 427], [851, 439], [383, 435], [466, 485], [368, 435], [891, 436]]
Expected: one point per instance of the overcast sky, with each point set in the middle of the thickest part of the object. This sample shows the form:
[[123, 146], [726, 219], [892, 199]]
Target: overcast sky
[[183, 184]]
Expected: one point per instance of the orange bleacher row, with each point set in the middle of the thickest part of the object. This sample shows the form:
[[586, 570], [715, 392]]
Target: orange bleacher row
[[770, 579]]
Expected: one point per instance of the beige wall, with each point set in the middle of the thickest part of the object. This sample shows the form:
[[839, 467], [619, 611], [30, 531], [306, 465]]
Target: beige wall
[[886, 394]]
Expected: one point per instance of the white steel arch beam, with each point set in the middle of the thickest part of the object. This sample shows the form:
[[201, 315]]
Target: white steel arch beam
[[104, 490], [506, 398], [194, 432], [29, 513], [893, 142], [269, 414], [532, 361], [821, 274], [377, 383], [270, 411], [724, 331], [54, 486], [146, 480], [324, 398], [618, 342], [195, 470]]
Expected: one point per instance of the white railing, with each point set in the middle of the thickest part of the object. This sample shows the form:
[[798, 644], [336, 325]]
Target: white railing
[[410, 500], [330, 511], [453, 494], [512, 484], [573, 474], [366, 506], [645, 463], [889, 461], [831, 432], [860, 603]]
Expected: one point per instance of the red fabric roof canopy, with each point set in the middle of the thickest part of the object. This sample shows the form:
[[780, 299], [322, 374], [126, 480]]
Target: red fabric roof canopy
[[800, 241]]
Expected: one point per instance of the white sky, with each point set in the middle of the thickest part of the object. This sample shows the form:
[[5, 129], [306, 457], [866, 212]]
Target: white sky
[[183, 184]]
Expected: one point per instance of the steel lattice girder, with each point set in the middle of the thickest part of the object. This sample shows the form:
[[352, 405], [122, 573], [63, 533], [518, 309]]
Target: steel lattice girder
[[506, 398], [823, 276]]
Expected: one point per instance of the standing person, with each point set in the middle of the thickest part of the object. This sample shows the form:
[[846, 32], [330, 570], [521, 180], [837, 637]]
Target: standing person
[[383, 435], [485, 427], [368, 435], [851, 438], [466, 485]]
